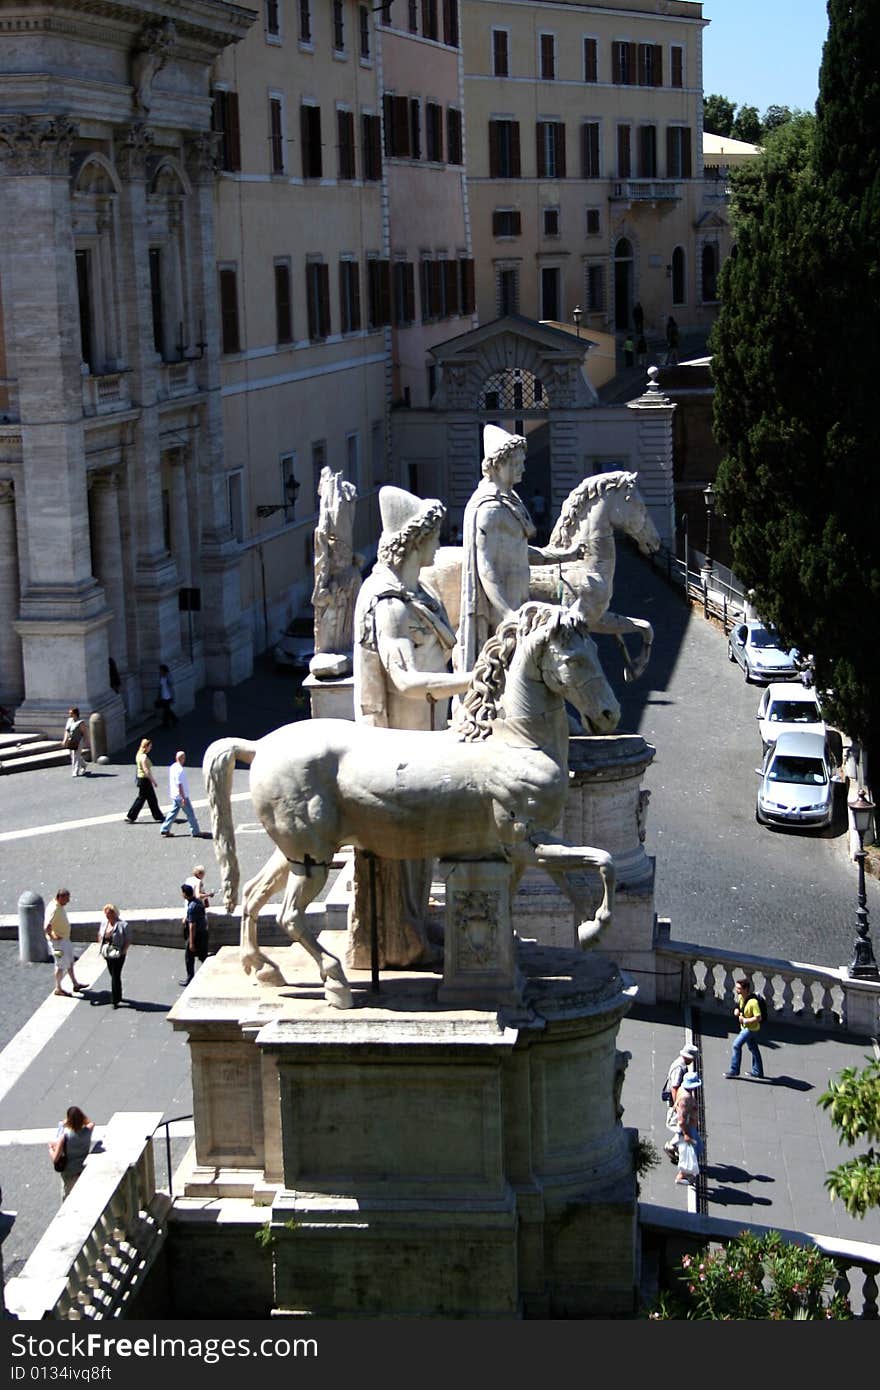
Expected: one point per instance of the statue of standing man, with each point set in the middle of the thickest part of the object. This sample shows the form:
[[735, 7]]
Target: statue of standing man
[[402, 645], [497, 549]]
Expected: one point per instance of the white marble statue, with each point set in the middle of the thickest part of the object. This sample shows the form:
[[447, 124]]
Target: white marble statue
[[337, 577], [490, 787], [402, 646]]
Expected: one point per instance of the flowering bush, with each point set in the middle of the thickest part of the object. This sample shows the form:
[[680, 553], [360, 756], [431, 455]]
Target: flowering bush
[[755, 1277]]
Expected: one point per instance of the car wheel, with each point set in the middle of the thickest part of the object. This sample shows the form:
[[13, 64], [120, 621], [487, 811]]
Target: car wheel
[[759, 818], [730, 655]]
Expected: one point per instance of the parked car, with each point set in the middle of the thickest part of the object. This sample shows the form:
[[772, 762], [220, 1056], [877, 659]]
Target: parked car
[[757, 649], [785, 708], [796, 787], [296, 646]]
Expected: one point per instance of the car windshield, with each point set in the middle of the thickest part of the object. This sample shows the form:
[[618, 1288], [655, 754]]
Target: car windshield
[[794, 712], [804, 772], [762, 638]]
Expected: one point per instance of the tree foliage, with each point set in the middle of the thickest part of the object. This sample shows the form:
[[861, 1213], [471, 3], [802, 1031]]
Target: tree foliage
[[747, 125], [718, 114], [794, 366], [854, 1103]]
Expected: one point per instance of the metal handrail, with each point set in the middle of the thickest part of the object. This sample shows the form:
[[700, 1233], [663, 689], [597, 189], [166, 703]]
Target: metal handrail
[[166, 1124]]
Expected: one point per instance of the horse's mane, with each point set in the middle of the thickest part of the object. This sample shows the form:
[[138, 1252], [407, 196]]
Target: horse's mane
[[530, 626], [582, 497]]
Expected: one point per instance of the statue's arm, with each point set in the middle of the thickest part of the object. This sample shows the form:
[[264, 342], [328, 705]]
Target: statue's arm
[[545, 555], [399, 657]]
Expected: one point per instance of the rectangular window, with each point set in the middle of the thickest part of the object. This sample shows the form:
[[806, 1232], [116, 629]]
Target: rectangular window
[[507, 290], [310, 137], [433, 132], [624, 151], [86, 318], [397, 126], [276, 136], [339, 26], [305, 21], [594, 288], [371, 148], [225, 120], [591, 60], [500, 53], [230, 340], [349, 297], [551, 221], [466, 289], [594, 222], [591, 165], [345, 145], [450, 23], [504, 157], [650, 60], [454, 145], [156, 304], [283, 303], [506, 222], [318, 299], [235, 504], [413, 16], [550, 293], [676, 63], [364, 23], [273, 19], [288, 481], [429, 19], [550, 147], [624, 63], [426, 289], [451, 287], [678, 152], [415, 128], [404, 293], [548, 57], [378, 292], [647, 151], [384, 12]]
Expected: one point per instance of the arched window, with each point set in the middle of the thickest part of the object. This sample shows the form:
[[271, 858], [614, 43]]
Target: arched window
[[95, 192], [678, 276], [173, 331], [710, 272]]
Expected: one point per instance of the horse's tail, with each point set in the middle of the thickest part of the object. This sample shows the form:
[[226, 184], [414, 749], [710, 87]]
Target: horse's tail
[[218, 766]]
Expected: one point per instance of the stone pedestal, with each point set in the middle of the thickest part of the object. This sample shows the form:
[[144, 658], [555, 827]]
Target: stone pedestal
[[418, 1161], [330, 699], [479, 963], [606, 807]]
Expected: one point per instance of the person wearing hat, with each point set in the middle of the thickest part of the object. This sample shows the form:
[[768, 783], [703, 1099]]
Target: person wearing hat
[[678, 1068], [687, 1116], [402, 644], [497, 535]]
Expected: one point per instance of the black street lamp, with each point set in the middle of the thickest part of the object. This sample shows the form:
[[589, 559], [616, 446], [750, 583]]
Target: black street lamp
[[863, 965], [709, 499], [291, 488], [577, 314]]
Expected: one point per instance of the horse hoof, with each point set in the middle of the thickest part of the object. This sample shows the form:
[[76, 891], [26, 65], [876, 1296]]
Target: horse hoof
[[269, 974], [338, 996]]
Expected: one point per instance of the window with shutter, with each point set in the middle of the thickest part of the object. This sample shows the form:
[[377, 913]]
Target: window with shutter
[[283, 307], [500, 56], [450, 288], [506, 222], [467, 297], [450, 23], [624, 152], [548, 57], [551, 222], [559, 148], [594, 222], [345, 145], [371, 148], [504, 156], [378, 292], [413, 8], [225, 120], [273, 19], [400, 296], [550, 149], [591, 165], [550, 301], [623, 63], [676, 63], [276, 136], [349, 297], [678, 152], [429, 19], [415, 128], [650, 65], [310, 137], [591, 60], [454, 147], [305, 21], [594, 287], [507, 290], [364, 24], [229, 334], [434, 132], [339, 26], [425, 288], [647, 152]]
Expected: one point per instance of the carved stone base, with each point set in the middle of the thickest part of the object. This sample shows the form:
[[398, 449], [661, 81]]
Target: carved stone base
[[330, 699], [479, 964]]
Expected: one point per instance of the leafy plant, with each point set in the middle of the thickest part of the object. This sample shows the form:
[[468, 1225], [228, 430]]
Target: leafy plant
[[647, 1156], [854, 1102]]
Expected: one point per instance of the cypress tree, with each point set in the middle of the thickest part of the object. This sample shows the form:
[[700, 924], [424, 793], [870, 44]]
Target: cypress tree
[[794, 359]]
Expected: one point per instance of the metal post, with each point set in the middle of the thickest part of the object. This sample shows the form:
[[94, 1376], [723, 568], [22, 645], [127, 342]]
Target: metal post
[[97, 737], [33, 948], [863, 965]]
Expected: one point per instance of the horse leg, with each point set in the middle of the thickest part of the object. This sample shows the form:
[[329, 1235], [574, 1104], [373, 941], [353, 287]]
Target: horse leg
[[560, 859], [633, 667], [301, 889], [257, 892]]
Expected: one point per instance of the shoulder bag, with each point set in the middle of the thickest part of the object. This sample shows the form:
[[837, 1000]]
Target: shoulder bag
[[60, 1162]]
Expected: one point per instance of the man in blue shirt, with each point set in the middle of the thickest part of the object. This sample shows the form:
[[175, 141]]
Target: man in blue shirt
[[195, 927]]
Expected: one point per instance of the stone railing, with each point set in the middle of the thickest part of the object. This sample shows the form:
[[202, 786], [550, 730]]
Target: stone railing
[[645, 191], [178, 378], [667, 1235], [105, 1237], [810, 996], [105, 392]]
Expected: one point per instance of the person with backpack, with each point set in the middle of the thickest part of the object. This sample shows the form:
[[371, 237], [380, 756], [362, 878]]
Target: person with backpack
[[749, 1015], [684, 1062]]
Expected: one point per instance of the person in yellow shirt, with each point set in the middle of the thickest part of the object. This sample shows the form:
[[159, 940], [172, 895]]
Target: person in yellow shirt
[[748, 1015]]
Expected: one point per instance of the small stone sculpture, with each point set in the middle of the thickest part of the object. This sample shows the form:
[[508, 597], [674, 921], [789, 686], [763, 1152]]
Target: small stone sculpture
[[153, 48], [337, 577]]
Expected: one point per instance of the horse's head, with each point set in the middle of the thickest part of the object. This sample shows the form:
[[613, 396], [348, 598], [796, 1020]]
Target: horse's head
[[628, 512], [569, 666]]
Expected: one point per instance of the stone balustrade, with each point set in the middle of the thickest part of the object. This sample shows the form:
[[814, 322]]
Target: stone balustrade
[[105, 393], [809, 996], [177, 378], [103, 1240]]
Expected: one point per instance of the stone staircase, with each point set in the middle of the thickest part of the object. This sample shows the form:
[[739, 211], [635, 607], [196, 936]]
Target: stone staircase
[[27, 752]]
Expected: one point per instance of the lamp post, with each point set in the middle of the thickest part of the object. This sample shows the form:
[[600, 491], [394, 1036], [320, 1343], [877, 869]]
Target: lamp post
[[291, 488], [577, 314], [707, 573], [863, 965], [684, 527]]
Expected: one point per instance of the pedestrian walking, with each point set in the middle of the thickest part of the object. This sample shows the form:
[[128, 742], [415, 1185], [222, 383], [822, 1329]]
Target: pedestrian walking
[[678, 1069], [638, 318], [145, 783], [70, 1147], [165, 698], [114, 939], [642, 351], [178, 790], [628, 360], [74, 739], [671, 342], [196, 882], [690, 1145], [748, 1015], [195, 930], [57, 932]]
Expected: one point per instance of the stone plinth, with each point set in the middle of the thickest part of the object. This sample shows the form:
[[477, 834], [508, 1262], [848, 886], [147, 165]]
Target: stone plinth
[[330, 699], [606, 807], [479, 963], [419, 1160]]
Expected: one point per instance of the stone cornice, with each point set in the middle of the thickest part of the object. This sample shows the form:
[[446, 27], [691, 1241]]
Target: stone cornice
[[201, 25]]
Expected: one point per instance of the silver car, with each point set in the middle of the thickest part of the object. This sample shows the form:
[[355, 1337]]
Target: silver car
[[796, 786], [786, 708], [757, 649]]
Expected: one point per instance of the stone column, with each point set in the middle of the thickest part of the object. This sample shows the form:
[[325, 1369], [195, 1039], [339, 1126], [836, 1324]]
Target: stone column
[[654, 413], [11, 668], [108, 559]]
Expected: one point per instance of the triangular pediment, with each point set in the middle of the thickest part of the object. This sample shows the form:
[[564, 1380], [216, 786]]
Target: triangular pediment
[[543, 338], [711, 221]]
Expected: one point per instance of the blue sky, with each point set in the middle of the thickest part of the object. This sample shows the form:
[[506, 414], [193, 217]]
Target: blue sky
[[764, 52]]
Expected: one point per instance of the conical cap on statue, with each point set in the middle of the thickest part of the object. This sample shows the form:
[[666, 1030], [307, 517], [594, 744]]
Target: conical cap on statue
[[397, 507]]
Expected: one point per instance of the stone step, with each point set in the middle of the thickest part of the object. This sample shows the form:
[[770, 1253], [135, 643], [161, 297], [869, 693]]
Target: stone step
[[53, 755], [14, 740]]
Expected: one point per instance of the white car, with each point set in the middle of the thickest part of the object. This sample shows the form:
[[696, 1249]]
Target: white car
[[796, 786], [786, 708]]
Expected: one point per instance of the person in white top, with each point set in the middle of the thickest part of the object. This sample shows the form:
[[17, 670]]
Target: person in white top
[[178, 790]]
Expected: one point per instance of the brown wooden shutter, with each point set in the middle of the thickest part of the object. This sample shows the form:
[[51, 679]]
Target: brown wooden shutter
[[450, 271], [415, 143], [540, 160], [436, 274], [686, 157], [385, 291], [229, 334], [515, 165], [375, 126], [559, 144], [494, 160], [388, 114], [468, 298], [624, 152], [410, 284], [450, 23], [497, 224], [324, 299], [677, 63], [283, 319], [233, 133], [632, 62], [671, 171], [453, 135], [312, 300], [616, 64], [591, 61], [658, 65], [400, 126]]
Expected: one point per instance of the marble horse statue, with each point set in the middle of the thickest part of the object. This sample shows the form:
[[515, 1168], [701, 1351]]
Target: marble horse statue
[[489, 787], [600, 504]]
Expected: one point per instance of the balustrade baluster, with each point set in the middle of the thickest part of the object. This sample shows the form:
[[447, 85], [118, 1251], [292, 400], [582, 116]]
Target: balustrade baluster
[[869, 1292], [787, 998]]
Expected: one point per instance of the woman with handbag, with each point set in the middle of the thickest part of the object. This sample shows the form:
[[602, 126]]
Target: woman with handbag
[[70, 1147], [114, 940], [74, 738], [146, 784]]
